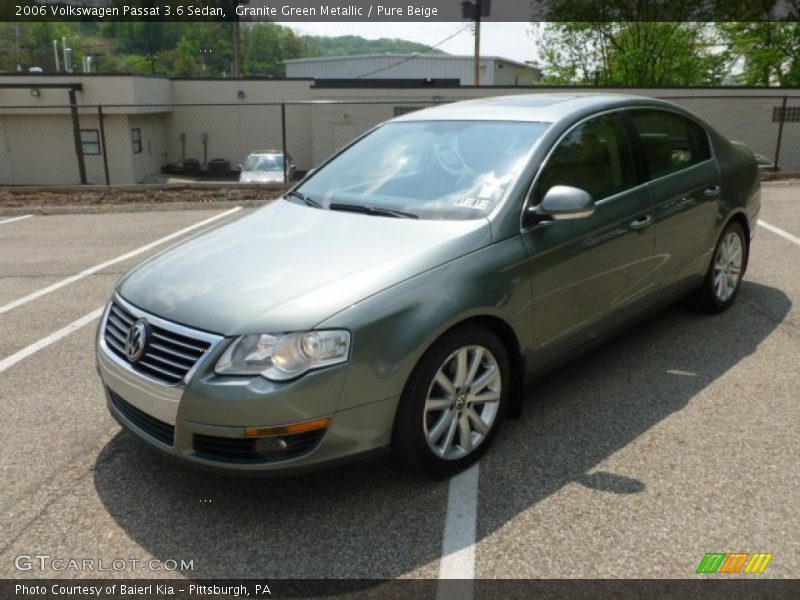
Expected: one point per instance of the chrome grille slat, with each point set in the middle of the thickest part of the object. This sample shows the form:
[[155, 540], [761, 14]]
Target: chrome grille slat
[[117, 312], [122, 332], [161, 370], [161, 336], [115, 345], [170, 354], [116, 335], [167, 362], [121, 326]]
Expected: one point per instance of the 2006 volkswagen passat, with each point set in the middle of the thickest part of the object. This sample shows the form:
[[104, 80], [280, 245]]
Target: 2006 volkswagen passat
[[400, 296]]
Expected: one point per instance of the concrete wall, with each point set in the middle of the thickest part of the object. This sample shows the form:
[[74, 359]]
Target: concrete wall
[[40, 150], [226, 91], [112, 89], [154, 153], [36, 142], [240, 126]]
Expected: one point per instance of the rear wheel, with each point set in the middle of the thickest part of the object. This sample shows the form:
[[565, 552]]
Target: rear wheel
[[453, 402], [724, 276]]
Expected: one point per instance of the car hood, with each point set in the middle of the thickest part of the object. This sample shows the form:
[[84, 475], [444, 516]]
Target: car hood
[[288, 267], [260, 176]]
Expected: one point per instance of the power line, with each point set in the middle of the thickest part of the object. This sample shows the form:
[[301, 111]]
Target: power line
[[412, 57]]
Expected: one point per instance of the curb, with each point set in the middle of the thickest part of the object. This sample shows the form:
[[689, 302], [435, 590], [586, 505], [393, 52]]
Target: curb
[[133, 207]]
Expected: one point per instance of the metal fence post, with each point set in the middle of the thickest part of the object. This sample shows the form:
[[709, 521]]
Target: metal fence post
[[76, 132], [283, 140], [103, 142], [782, 117]]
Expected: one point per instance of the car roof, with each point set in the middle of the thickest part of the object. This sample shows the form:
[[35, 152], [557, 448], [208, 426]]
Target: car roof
[[545, 108], [265, 152]]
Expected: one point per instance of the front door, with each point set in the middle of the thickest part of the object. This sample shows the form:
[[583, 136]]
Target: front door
[[586, 269]]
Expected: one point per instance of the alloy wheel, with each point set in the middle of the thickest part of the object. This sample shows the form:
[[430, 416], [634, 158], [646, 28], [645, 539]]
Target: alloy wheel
[[462, 402], [728, 266]]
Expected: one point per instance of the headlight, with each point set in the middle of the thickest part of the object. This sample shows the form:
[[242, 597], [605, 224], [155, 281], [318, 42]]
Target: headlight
[[280, 356]]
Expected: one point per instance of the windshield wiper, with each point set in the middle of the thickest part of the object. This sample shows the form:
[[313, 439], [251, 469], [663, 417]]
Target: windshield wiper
[[305, 198], [373, 210]]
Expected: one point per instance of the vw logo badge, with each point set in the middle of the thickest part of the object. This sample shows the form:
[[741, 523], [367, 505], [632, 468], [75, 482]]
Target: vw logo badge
[[136, 342]]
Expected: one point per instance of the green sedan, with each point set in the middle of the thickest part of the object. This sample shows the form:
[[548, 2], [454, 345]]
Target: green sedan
[[402, 295]]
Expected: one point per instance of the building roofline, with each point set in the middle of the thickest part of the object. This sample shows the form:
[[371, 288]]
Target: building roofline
[[59, 74], [416, 56], [776, 90]]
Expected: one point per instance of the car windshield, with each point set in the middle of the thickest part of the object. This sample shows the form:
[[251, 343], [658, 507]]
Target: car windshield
[[429, 169], [262, 162]]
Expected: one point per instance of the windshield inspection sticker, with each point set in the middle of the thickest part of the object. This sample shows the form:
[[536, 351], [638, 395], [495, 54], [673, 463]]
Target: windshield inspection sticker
[[476, 203], [488, 190]]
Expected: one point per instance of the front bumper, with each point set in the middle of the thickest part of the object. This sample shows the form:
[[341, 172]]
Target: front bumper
[[203, 420]]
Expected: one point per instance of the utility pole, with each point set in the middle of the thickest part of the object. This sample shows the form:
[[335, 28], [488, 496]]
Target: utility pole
[[474, 10], [16, 46], [478, 44], [236, 70], [237, 59], [150, 49]]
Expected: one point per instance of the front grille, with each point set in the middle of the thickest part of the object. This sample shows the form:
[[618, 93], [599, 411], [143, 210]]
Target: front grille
[[244, 450], [168, 356], [163, 432]]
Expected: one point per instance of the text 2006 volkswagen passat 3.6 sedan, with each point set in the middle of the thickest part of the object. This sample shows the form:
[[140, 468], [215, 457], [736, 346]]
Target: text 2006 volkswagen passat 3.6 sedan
[[399, 297]]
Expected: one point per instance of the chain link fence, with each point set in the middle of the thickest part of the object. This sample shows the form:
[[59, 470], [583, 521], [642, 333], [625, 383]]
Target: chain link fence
[[182, 143]]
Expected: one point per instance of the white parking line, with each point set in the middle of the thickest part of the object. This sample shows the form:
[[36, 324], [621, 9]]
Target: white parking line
[[15, 219], [780, 232], [10, 361], [458, 543], [108, 263]]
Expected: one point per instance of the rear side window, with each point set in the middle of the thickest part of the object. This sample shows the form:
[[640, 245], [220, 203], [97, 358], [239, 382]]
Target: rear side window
[[670, 142], [593, 157]]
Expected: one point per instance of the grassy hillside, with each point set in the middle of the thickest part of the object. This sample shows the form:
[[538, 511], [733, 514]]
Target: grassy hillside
[[178, 49], [347, 45]]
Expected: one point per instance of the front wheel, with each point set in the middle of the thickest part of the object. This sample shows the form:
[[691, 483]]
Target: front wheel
[[453, 402], [724, 276]]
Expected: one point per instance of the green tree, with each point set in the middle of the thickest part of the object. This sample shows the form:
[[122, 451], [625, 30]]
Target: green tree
[[265, 46], [769, 51], [635, 53]]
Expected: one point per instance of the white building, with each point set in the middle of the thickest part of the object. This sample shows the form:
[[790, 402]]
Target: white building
[[494, 70]]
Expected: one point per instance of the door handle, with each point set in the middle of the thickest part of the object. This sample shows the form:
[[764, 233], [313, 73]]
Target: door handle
[[642, 222], [712, 191]]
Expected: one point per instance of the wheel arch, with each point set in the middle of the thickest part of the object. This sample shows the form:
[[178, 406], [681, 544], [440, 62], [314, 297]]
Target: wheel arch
[[508, 337]]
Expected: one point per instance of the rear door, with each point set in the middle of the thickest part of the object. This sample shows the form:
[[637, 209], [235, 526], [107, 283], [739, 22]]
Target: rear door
[[684, 182]]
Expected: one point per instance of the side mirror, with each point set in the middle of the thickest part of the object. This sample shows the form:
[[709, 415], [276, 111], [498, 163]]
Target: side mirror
[[562, 202]]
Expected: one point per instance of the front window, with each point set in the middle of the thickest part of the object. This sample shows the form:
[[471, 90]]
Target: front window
[[431, 169], [593, 157]]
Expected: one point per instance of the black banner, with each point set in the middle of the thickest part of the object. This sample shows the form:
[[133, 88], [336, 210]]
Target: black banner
[[399, 10], [712, 588]]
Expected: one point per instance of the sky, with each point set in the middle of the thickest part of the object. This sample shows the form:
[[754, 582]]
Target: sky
[[509, 40]]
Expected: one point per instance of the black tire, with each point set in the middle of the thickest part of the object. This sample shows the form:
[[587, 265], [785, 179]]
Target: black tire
[[409, 442], [706, 297]]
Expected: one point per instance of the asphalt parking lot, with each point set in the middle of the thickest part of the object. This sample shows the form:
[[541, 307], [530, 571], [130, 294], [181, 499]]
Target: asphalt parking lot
[[677, 439]]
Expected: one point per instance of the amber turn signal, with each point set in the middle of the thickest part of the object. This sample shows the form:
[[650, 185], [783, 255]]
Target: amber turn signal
[[320, 423]]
